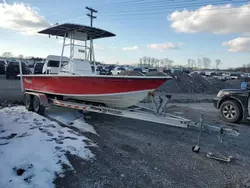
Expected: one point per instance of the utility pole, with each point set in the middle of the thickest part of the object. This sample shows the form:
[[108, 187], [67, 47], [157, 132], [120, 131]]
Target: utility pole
[[91, 50], [91, 15]]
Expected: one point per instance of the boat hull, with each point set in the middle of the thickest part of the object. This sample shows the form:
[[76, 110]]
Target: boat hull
[[116, 100], [116, 92]]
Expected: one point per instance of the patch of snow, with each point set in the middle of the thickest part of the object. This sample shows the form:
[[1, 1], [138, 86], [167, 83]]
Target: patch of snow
[[71, 118], [83, 126], [64, 115], [37, 145]]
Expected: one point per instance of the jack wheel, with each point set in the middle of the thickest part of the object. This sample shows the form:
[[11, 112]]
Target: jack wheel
[[37, 107]]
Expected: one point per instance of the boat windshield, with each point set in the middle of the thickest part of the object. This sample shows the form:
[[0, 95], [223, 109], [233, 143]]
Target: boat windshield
[[53, 63]]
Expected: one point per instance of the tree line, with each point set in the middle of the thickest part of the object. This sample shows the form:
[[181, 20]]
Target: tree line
[[10, 55], [204, 62]]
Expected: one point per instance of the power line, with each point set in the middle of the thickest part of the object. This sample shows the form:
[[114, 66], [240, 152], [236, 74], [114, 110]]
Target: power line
[[162, 8], [166, 4], [122, 5], [227, 11], [142, 11]]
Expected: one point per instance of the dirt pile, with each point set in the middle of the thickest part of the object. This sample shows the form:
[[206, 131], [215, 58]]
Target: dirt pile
[[185, 83]]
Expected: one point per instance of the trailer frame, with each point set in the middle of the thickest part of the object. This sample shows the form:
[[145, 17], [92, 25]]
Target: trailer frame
[[155, 114]]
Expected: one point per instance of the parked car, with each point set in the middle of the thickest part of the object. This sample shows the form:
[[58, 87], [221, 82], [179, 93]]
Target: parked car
[[210, 74], [235, 75], [246, 75], [38, 68], [105, 71], [12, 69], [167, 71], [145, 70], [137, 70], [233, 104], [98, 68], [232, 75], [117, 70], [152, 70], [185, 71], [2, 66], [52, 62], [221, 76]]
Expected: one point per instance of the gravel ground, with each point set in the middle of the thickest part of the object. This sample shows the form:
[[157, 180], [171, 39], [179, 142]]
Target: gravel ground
[[134, 153], [10, 90], [140, 154]]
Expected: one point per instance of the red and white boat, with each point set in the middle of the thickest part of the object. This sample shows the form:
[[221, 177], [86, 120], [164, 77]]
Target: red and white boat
[[77, 80]]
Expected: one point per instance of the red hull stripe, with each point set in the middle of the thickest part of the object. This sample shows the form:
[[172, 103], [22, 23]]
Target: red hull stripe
[[89, 85]]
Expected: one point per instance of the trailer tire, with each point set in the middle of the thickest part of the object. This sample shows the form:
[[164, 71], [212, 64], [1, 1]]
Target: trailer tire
[[27, 100], [37, 106], [231, 111]]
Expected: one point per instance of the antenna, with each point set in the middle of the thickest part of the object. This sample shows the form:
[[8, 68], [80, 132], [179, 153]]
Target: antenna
[[91, 15]]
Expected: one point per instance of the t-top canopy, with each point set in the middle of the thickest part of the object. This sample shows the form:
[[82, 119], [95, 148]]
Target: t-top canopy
[[92, 32]]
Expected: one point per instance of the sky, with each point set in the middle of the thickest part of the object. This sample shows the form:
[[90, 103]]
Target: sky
[[173, 29]]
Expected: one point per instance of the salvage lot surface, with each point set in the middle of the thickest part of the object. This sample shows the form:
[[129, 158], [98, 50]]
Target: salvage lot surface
[[133, 153], [10, 90]]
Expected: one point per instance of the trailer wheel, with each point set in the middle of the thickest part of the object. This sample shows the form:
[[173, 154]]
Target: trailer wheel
[[27, 100], [231, 111], [37, 106]]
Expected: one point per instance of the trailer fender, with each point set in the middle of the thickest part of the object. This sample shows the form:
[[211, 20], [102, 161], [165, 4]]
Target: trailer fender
[[42, 97]]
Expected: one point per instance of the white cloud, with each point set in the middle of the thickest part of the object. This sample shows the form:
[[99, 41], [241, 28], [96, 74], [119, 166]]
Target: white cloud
[[164, 46], [131, 48], [21, 18], [222, 19], [240, 44]]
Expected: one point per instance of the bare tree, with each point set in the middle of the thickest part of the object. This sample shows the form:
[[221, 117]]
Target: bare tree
[[20, 56], [140, 62], [162, 62], [199, 62], [217, 63], [170, 63], [189, 63], [7, 54], [144, 59], [157, 62], [193, 63], [206, 62]]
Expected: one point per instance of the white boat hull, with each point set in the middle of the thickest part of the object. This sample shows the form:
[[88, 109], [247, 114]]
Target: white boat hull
[[115, 100]]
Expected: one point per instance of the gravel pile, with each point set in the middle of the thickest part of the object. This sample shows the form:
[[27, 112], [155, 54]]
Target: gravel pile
[[185, 83]]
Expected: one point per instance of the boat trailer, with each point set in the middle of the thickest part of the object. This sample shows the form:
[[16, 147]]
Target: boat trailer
[[153, 110]]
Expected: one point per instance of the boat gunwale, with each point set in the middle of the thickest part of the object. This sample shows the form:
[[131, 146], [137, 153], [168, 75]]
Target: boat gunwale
[[100, 76]]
